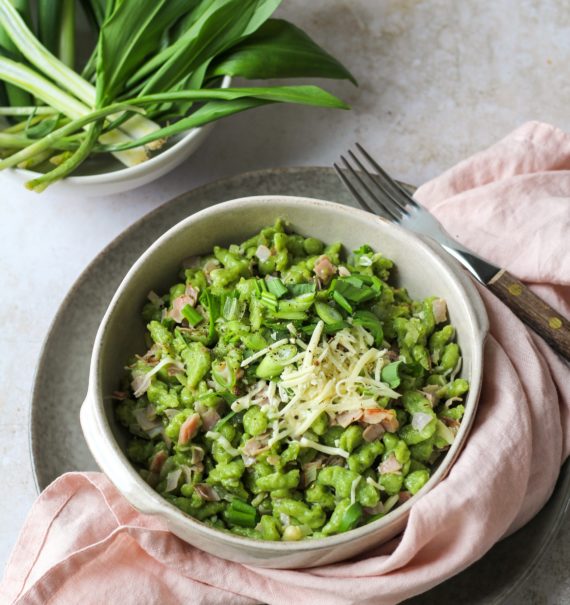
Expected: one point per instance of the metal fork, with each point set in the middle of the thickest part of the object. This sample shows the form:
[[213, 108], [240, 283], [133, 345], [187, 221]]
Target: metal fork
[[380, 194]]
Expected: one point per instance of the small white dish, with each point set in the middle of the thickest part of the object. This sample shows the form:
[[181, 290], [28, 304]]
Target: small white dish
[[109, 180]]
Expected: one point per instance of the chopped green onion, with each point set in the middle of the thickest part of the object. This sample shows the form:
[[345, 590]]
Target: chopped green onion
[[327, 313], [261, 286], [193, 317], [276, 286], [292, 315], [211, 303], [225, 419], [353, 289], [372, 281], [299, 289], [341, 301], [242, 507], [301, 303], [368, 320], [236, 517], [351, 517], [241, 513], [269, 300], [332, 328], [274, 362], [230, 309], [391, 374]]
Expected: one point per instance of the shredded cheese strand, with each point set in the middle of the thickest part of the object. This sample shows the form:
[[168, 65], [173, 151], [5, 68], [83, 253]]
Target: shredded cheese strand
[[353, 487], [263, 352], [333, 451], [223, 442]]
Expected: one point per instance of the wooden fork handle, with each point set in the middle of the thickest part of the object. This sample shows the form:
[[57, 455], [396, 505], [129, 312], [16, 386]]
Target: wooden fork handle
[[542, 318]]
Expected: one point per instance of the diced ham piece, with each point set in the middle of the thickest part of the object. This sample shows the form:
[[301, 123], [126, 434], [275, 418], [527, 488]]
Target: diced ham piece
[[333, 461], [345, 418], [310, 471], [373, 432], [375, 510], [210, 266], [140, 384], [390, 465], [404, 497], [249, 461], [153, 479], [387, 418], [171, 412], [192, 292], [172, 479], [178, 304], [158, 461], [209, 418], [155, 299], [439, 308], [146, 421], [392, 355], [176, 367], [430, 394], [150, 356], [261, 398], [391, 424], [189, 429], [197, 454], [256, 445], [263, 253], [420, 420], [324, 269], [450, 422], [207, 492]]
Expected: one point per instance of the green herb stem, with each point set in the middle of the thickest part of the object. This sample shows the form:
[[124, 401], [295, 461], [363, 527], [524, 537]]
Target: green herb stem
[[67, 36], [70, 164]]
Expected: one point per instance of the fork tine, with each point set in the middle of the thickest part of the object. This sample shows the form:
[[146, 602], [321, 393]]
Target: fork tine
[[352, 189], [387, 180], [396, 209], [392, 214]]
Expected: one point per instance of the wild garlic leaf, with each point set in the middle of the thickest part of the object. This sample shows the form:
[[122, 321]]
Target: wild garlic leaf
[[128, 36], [228, 102], [227, 22], [279, 49]]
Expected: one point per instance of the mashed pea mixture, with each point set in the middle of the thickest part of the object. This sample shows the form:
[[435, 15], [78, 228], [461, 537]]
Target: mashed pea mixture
[[289, 391]]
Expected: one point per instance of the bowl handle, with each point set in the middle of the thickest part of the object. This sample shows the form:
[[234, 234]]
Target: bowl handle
[[111, 460]]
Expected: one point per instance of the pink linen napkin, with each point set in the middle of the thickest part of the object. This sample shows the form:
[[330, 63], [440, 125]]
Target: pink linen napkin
[[83, 543]]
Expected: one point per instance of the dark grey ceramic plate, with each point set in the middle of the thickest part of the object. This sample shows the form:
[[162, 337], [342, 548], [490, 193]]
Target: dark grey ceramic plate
[[57, 444]]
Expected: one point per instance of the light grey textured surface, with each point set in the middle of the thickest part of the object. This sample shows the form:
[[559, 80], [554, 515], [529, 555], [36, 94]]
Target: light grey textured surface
[[439, 81]]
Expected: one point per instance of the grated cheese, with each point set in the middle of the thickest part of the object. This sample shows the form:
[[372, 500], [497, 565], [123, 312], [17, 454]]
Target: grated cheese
[[353, 487], [330, 375], [329, 378], [333, 451], [371, 481], [140, 384], [223, 442], [263, 352]]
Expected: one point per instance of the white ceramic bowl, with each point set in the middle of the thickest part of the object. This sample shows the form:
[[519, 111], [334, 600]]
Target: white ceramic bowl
[[107, 180], [422, 268]]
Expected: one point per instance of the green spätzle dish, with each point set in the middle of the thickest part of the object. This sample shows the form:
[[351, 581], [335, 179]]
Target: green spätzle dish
[[289, 391]]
